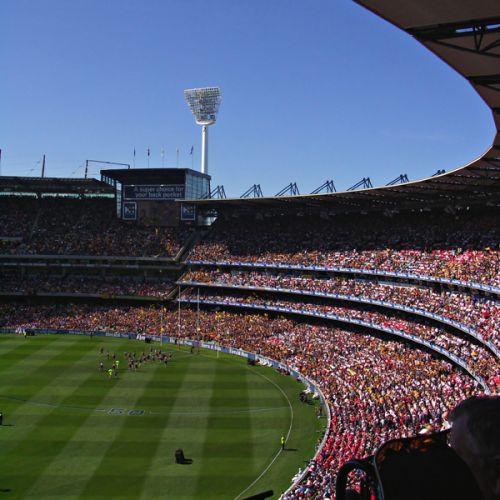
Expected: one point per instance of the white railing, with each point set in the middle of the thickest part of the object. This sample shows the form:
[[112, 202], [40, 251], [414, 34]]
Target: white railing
[[351, 270], [351, 298], [391, 331]]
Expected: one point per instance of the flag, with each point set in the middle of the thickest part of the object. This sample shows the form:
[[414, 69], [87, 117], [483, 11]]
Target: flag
[[148, 151], [134, 152], [191, 152]]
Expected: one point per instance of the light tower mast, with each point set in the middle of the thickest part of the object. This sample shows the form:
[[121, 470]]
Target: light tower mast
[[204, 104]]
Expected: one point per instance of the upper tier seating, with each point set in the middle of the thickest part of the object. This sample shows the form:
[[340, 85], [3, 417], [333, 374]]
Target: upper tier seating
[[463, 247], [481, 314], [69, 226]]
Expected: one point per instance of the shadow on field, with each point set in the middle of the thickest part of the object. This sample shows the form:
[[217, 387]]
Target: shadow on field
[[5, 490], [181, 459], [261, 496]]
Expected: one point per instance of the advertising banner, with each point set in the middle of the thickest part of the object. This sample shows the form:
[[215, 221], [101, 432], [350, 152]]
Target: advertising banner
[[161, 192], [188, 212], [129, 210]]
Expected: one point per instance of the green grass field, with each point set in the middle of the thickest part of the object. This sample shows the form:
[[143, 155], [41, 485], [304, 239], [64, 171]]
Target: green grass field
[[72, 432]]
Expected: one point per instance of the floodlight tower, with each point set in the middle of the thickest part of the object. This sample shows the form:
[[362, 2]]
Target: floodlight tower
[[204, 104]]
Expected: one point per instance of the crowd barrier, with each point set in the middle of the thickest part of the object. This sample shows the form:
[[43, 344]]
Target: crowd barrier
[[310, 385], [350, 298], [373, 326], [173, 340], [351, 270], [75, 295]]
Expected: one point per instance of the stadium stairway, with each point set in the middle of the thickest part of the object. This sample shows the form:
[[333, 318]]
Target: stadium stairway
[[188, 245], [35, 224]]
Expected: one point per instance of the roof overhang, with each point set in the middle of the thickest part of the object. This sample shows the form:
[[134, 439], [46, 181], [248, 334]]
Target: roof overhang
[[466, 35], [53, 185]]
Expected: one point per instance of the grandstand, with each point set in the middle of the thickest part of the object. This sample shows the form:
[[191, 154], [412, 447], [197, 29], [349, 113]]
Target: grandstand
[[387, 298]]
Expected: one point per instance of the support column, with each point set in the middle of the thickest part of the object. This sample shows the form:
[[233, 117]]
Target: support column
[[204, 149]]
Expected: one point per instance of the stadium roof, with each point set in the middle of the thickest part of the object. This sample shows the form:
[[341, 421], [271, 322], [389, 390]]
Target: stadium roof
[[150, 175], [466, 35], [53, 185]]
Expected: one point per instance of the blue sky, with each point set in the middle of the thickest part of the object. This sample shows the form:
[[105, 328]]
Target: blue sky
[[311, 90]]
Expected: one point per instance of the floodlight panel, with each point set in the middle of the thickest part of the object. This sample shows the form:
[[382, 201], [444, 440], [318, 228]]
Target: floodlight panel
[[204, 104]]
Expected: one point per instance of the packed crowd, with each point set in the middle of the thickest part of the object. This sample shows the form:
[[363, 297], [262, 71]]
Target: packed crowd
[[106, 286], [463, 247], [61, 226], [481, 314], [376, 390], [478, 358], [17, 215]]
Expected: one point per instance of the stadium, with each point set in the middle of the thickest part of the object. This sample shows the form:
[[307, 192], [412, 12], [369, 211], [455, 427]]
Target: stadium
[[159, 339]]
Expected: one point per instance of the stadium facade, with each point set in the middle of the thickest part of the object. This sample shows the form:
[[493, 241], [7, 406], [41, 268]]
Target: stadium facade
[[416, 264]]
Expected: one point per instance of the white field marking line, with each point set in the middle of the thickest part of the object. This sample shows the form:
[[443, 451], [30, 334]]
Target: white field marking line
[[220, 412], [157, 463], [289, 429], [286, 439]]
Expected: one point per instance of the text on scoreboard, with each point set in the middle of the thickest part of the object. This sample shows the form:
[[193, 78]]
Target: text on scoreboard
[[162, 192]]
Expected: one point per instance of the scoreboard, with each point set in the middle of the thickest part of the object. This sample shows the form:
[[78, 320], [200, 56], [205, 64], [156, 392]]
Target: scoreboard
[[150, 196]]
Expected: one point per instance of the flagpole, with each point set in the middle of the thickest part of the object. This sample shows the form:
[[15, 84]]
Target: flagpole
[[177, 157], [198, 320], [161, 322], [179, 321], [134, 157]]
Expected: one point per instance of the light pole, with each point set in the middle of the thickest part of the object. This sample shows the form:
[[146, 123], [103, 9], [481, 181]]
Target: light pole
[[204, 104]]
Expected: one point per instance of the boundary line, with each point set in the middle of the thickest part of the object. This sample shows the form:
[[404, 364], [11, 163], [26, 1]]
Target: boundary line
[[286, 439], [270, 381]]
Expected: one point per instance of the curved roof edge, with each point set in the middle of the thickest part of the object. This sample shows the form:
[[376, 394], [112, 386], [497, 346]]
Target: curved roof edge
[[465, 35]]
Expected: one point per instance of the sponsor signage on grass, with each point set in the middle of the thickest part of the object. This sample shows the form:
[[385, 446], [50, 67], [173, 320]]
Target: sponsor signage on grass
[[161, 192], [121, 411]]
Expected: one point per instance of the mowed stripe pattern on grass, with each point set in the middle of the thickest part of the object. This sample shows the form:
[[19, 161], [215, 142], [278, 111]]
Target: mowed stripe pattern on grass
[[40, 432], [64, 442]]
